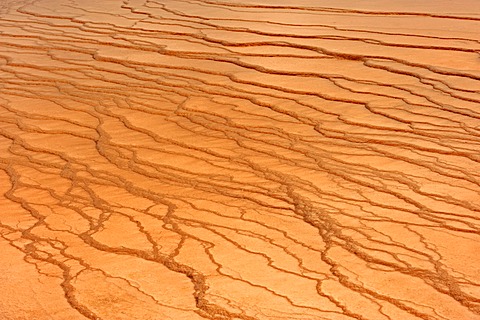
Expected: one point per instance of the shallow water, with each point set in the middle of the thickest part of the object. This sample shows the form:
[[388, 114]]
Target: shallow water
[[250, 159]]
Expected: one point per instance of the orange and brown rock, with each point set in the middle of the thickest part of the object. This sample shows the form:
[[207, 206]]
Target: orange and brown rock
[[239, 159]]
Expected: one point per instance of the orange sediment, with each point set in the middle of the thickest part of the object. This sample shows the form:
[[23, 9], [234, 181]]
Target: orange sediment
[[249, 159]]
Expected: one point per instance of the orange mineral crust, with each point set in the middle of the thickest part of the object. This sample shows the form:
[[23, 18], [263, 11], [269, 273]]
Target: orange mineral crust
[[239, 160]]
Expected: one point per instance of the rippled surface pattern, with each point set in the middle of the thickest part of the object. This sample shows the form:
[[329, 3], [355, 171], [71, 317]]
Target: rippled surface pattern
[[239, 159]]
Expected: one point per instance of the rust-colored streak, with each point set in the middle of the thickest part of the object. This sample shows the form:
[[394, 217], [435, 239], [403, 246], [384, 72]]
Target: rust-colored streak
[[248, 160]]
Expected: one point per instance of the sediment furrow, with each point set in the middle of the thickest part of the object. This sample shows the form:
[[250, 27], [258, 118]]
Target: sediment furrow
[[239, 160]]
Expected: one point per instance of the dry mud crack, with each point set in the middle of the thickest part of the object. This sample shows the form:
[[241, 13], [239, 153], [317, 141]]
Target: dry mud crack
[[248, 160]]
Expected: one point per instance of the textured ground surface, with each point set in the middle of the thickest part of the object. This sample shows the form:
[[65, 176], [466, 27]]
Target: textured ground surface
[[250, 159]]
